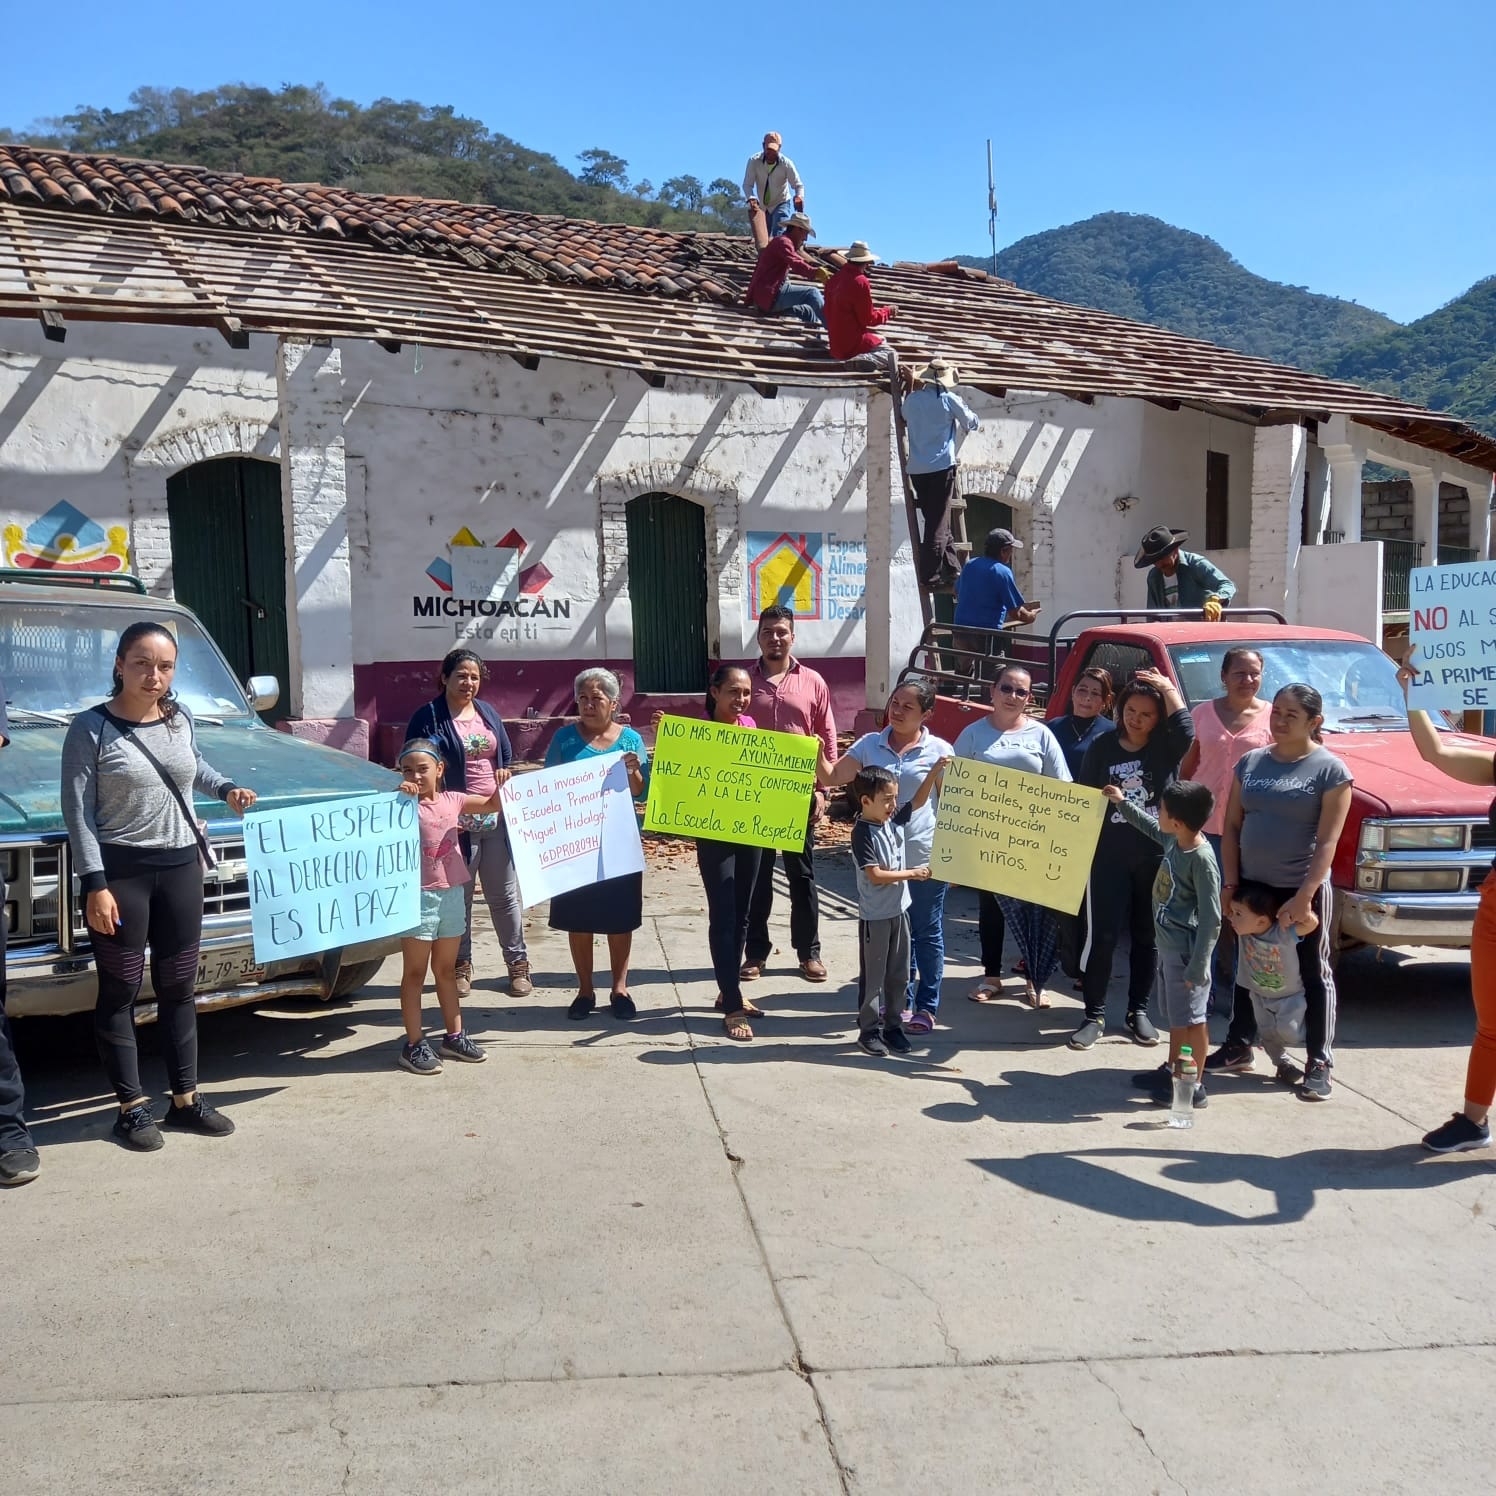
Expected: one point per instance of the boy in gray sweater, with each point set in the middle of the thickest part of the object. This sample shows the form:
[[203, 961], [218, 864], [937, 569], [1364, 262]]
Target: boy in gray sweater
[[1187, 915]]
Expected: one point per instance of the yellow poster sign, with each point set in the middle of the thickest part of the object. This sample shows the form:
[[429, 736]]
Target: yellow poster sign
[[736, 784], [1017, 834]]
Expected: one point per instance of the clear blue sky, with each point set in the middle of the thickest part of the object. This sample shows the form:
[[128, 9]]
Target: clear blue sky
[[1346, 147]]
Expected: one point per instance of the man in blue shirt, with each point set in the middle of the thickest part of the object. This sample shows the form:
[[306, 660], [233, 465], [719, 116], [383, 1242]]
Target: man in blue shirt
[[934, 415], [987, 593]]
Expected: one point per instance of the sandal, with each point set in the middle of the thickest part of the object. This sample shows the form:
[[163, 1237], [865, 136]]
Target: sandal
[[1036, 997], [988, 990], [735, 1026], [747, 1009]]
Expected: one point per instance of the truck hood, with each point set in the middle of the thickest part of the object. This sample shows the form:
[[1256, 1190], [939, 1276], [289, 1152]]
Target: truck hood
[[1387, 767], [280, 769]]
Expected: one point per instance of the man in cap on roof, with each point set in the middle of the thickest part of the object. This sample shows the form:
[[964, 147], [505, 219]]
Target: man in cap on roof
[[1180, 578], [851, 316], [772, 184], [934, 417], [777, 261], [987, 595]]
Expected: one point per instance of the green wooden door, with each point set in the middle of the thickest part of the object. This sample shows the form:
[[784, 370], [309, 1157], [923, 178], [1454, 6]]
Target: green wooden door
[[667, 588], [228, 557]]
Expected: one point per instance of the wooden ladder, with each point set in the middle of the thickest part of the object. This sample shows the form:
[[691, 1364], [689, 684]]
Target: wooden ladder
[[927, 595]]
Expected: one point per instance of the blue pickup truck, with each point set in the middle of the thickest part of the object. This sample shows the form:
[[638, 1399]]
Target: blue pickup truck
[[57, 639]]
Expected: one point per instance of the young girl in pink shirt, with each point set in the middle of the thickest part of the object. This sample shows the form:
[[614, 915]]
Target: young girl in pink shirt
[[444, 873]]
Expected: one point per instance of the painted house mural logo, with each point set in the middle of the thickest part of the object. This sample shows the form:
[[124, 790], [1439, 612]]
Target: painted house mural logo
[[487, 591], [785, 570], [66, 539]]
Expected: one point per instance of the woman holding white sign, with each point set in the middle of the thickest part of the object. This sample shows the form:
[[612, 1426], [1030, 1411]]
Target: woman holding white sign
[[129, 769], [1469, 1127], [1011, 739], [614, 907]]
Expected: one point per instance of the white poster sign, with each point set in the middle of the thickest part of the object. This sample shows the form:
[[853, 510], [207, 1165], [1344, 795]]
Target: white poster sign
[[485, 572], [1452, 623], [571, 825]]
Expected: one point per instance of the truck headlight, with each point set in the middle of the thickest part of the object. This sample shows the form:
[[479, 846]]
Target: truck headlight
[[1426, 838], [1424, 880], [1369, 879]]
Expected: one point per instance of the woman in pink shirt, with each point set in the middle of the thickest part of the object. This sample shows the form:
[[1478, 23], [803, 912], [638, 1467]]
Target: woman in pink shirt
[[1226, 728]]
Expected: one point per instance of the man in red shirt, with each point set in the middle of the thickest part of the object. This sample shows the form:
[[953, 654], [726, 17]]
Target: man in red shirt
[[850, 316], [777, 260], [788, 697]]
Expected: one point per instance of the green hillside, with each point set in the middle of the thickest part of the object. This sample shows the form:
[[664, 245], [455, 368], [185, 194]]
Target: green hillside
[[1141, 267], [299, 134], [1446, 360]]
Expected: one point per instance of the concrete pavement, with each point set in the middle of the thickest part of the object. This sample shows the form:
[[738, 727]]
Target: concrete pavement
[[640, 1258]]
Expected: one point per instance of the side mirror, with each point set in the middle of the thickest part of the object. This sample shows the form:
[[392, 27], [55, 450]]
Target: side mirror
[[263, 691]]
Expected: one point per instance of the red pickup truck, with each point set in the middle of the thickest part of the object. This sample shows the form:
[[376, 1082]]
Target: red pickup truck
[[1416, 844]]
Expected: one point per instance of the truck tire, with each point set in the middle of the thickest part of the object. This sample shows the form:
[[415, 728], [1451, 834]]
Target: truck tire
[[351, 978]]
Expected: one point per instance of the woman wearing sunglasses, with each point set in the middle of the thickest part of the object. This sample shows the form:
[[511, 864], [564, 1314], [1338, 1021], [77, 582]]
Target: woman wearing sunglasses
[[1011, 739]]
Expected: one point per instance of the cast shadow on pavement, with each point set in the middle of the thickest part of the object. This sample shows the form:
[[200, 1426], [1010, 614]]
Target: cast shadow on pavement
[[1082, 1179]]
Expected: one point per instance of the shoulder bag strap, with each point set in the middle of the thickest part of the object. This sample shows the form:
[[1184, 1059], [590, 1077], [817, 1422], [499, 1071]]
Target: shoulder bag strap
[[205, 851]]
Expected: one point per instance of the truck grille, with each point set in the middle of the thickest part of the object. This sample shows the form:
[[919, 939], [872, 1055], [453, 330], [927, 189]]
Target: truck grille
[[1483, 837], [32, 882]]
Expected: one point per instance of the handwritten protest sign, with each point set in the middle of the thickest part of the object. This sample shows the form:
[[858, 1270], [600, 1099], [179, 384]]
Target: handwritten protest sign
[[737, 784], [571, 825], [1015, 833], [332, 874], [1453, 627]]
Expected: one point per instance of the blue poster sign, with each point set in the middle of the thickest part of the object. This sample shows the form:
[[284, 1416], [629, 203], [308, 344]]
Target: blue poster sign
[[332, 874]]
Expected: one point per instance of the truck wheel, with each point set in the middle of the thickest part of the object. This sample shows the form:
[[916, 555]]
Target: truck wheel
[[351, 978]]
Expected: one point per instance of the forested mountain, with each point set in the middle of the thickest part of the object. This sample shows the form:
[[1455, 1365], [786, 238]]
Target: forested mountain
[[1446, 360], [299, 134], [1141, 267]]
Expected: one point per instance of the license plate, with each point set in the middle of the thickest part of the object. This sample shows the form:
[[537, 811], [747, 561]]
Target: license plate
[[216, 969]]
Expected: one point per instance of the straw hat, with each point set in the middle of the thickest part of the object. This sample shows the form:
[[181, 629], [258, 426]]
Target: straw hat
[[937, 371], [800, 221], [860, 254]]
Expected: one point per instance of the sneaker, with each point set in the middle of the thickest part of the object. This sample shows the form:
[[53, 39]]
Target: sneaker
[[464, 978], [460, 1047], [520, 984], [1142, 1029], [581, 1006], [872, 1043], [897, 1041], [621, 1005], [1288, 1074], [1230, 1059], [1086, 1035], [1151, 1080], [920, 1022], [1316, 1082], [137, 1128], [1201, 1099], [22, 1165], [197, 1116], [1456, 1136], [419, 1059]]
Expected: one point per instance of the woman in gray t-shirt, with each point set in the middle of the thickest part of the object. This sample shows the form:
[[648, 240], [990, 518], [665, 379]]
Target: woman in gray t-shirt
[[1287, 809]]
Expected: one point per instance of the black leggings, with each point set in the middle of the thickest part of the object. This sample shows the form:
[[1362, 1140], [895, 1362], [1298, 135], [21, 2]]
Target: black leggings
[[165, 910], [729, 873], [992, 928], [1120, 897]]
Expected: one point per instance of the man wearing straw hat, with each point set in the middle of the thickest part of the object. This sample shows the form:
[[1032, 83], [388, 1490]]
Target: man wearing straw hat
[[773, 186], [935, 415], [777, 261], [851, 316]]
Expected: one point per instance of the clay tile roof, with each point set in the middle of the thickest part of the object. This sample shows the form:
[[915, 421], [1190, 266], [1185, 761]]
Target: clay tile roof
[[469, 275]]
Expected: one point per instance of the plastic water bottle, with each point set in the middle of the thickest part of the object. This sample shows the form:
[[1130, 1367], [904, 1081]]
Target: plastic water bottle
[[1182, 1113]]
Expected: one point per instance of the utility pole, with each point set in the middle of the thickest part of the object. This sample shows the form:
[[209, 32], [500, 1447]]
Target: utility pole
[[992, 208]]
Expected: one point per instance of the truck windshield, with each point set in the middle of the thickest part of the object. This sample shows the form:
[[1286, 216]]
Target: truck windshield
[[59, 658], [1358, 682]]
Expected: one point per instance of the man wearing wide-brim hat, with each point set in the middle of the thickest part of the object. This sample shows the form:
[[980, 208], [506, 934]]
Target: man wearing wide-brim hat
[[1180, 578], [935, 416], [851, 316], [777, 261]]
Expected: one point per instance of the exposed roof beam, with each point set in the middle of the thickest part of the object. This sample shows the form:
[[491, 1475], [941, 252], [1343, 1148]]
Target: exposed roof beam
[[530, 361]]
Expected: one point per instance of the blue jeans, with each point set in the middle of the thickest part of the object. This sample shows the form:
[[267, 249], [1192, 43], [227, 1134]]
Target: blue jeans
[[927, 944], [775, 219], [804, 302]]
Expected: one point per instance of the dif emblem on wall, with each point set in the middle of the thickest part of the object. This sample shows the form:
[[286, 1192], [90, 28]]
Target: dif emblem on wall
[[66, 539], [532, 580]]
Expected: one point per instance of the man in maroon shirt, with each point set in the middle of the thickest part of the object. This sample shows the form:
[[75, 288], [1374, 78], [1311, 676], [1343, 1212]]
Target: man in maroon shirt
[[777, 260], [851, 316], [788, 697]]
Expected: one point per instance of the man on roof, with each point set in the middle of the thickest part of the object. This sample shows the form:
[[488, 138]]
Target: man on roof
[[777, 261], [773, 186], [935, 416], [851, 316], [1180, 578]]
